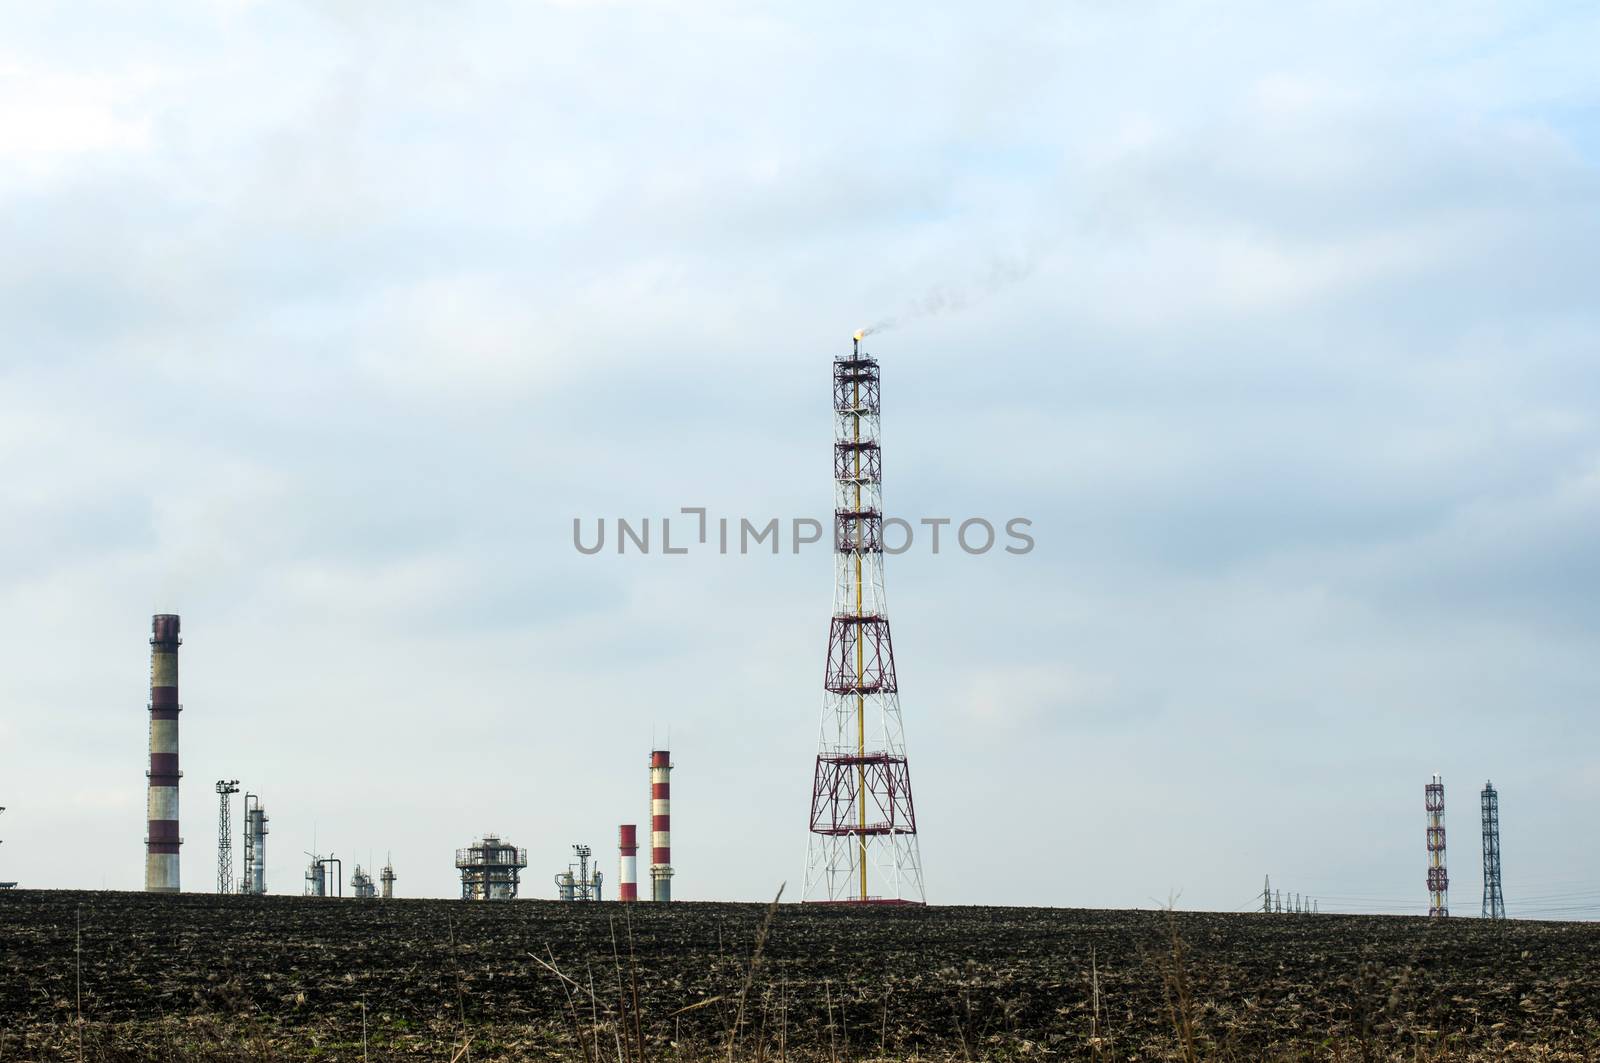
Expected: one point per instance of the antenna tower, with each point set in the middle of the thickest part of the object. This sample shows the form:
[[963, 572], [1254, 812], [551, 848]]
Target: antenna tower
[[225, 788], [1438, 877], [863, 846], [1494, 905]]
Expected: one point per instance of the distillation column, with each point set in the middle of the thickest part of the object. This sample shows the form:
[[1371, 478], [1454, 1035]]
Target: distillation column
[[255, 829]]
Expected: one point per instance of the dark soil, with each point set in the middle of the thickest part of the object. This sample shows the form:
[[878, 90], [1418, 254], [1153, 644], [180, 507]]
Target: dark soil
[[206, 977]]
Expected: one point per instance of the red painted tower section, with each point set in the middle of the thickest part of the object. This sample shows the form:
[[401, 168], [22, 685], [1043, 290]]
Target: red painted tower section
[[161, 806]]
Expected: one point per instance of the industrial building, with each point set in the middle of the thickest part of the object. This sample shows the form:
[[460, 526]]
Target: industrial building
[[491, 870]]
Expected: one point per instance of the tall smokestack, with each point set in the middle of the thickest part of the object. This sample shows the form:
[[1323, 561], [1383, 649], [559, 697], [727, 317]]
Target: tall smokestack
[[660, 825], [628, 864], [162, 841]]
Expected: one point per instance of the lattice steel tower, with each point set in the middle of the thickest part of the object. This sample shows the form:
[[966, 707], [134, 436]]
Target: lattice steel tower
[[863, 845], [1438, 877], [1494, 905], [225, 788]]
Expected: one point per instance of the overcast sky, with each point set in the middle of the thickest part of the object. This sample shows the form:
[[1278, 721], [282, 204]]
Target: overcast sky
[[319, 325]]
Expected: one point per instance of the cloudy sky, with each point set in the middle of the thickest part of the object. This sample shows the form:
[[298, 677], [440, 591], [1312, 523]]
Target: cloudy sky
[[319, 325]]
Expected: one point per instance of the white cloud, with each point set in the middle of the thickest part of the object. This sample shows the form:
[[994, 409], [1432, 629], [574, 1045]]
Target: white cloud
[[49, 119]]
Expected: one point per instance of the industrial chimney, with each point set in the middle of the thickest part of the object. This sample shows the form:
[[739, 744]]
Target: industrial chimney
[[162, 841], [660, 825], [628, 862]]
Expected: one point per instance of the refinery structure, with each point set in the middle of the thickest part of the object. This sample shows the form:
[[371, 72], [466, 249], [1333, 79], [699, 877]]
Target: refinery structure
[[491, 869], [324, 876], [255, 846], [578, 882]]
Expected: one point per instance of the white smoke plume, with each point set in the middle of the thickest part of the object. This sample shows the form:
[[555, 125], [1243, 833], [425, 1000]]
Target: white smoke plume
[[947, 298]]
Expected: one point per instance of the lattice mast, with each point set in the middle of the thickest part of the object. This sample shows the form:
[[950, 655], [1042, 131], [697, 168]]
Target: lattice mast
[[226, 788], [1494, 905], [863, 822], [1438, 877]]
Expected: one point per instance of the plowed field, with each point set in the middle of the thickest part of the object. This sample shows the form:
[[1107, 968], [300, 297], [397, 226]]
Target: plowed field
[[205, 977]]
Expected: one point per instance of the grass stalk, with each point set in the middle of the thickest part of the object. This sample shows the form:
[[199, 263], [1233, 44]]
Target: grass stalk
[[77, 955], [461, 997], [750, 972], [827, 995], [633, 983]]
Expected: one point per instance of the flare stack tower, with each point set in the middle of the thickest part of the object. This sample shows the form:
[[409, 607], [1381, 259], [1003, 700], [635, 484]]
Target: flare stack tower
[[863, 833]]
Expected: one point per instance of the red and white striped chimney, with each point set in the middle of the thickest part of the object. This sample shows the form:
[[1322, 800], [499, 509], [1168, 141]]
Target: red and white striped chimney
[[660, 825], [628, 865], [161, 805]]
